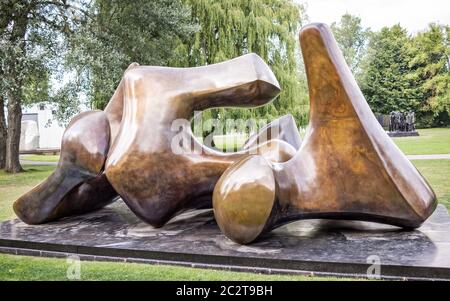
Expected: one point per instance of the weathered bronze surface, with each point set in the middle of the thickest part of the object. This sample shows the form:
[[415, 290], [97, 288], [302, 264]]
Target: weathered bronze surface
[[156, 183], [346, 168], [84, 147], [84, 194]]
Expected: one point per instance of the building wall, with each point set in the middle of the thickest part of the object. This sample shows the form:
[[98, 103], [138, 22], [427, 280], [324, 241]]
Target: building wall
[[50, 132], [29, 135]]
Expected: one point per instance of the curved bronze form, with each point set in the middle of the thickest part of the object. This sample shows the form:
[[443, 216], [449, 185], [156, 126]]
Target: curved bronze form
[[347, 167], [80, 184], [84, 147], [155, 182], [88, 194], [286, 131]]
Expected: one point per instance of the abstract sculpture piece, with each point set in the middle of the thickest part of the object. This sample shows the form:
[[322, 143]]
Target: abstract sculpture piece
[[135, 133], [83, 194], [346, 168], [84, 148], [155, 182]]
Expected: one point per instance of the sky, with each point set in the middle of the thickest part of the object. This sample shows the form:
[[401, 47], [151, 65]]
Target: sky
[[414, 15]]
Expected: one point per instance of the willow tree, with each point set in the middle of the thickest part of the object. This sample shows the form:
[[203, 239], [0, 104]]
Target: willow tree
[[118, 33], [231, 28]]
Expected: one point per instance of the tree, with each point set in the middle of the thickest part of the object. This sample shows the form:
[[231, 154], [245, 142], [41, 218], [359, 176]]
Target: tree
[[352, 39], [3, 134], [29, 39], [117, 34], [430, 52], [231, 28], [385, 81]]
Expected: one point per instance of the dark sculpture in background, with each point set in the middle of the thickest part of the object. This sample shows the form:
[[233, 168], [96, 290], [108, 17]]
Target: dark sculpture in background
[[345, 168], [402, 124]]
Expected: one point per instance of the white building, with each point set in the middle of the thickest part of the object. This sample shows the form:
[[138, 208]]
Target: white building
[[40, 129]]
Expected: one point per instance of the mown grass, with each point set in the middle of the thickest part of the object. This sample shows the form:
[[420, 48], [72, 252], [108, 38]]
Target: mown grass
[[14, 185], [14, 267], [430, 141], [40, 158], [437, 173]]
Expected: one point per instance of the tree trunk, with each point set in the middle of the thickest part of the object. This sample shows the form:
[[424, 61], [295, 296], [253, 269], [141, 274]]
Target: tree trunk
[[2, 133], [15, 73], [13, 135]]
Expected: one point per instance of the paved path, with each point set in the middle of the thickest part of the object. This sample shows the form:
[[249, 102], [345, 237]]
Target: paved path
[[428, 157]]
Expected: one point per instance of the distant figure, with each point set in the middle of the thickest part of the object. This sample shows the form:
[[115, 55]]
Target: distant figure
[[408, 121], [398, 121], [403, 122], [392, 122], [413, 121]]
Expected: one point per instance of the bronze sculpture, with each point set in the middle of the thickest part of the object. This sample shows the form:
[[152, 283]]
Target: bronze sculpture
[[346, 168], [141, 166], [86, 180], [83, 152]]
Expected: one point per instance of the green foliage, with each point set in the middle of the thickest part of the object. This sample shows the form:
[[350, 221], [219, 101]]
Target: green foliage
[[352, 39], [402, 72], [30, 36], [231, 28], [430, 52], [117, 33], [29, 45], [385, 83]]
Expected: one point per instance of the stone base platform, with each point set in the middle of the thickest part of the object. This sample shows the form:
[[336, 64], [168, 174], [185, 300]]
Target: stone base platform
[[321, 247], [403, 134]]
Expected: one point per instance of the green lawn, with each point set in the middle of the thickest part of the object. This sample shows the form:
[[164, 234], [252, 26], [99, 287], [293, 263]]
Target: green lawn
[[14, 185], [437, 173], [40, 158], [229, 142], [430, 141], [14, 267]]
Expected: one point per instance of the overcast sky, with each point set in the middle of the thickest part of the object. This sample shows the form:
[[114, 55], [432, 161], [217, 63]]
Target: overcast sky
[[411, 14]]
